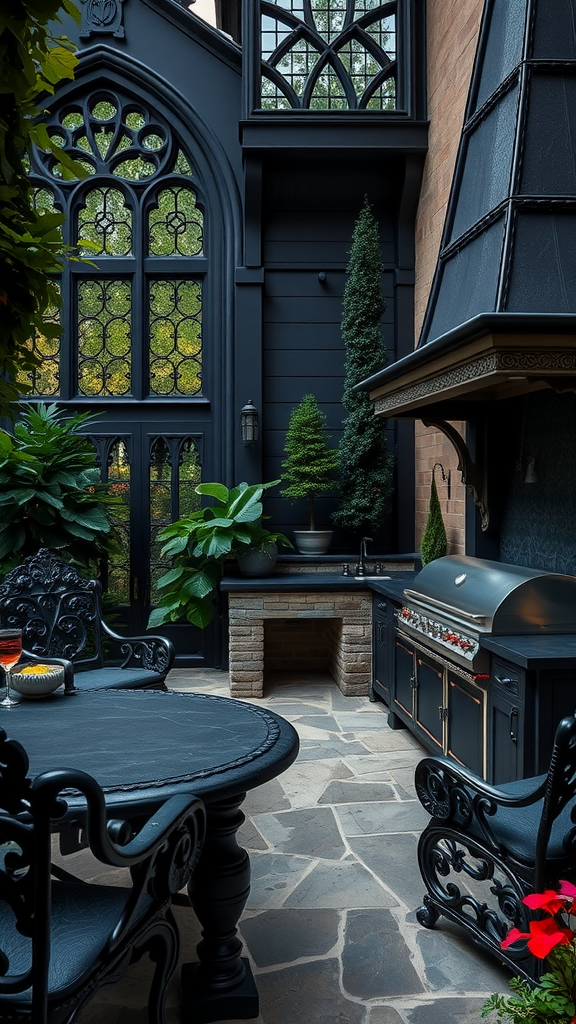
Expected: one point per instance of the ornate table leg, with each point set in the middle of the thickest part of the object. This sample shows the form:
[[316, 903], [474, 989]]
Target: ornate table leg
[[220, 986]]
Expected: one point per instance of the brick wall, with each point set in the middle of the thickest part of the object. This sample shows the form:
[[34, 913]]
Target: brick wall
[[346, 629], [432, 447], [452, 32]]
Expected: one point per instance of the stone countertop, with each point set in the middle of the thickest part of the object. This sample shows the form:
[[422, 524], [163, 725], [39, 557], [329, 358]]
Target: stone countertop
[[534, 652], [391, 587]]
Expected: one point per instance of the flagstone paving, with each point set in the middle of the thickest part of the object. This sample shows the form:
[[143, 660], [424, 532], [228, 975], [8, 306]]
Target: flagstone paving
[[330, 926]]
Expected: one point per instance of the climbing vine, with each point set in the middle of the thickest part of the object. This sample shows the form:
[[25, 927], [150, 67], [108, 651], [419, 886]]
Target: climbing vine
[[33, 60]]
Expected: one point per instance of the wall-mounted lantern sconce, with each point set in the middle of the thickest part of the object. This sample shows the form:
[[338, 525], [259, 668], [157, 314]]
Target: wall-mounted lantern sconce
[[249, 423]]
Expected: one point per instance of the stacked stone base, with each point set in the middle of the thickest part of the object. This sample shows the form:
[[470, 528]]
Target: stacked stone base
[[345, 639]]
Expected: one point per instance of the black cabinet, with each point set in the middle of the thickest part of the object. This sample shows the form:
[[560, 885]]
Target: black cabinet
[[500, 726], [444, 709], [525, 708], [404, 679]]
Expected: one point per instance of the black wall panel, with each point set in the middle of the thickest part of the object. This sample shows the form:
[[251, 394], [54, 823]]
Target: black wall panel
[[308, 215]]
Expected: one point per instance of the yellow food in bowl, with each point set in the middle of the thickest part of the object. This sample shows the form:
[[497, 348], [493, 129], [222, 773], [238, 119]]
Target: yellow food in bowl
[[37, 670]]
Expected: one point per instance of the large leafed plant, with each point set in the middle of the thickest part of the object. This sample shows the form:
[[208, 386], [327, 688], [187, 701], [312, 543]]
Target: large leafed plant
[[201, 543], [51, 495]]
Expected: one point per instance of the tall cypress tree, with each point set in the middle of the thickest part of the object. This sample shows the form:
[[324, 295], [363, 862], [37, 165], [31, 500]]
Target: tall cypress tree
[[365, 462]]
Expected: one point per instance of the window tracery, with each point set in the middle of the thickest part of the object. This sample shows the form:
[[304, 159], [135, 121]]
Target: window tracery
[[133, 315], [328, 54]]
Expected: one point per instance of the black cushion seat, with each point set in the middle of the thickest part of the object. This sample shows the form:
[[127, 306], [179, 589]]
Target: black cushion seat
[[74, 948], [107, 678]]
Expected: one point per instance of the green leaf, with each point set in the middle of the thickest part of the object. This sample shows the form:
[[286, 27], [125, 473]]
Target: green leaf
[[11, 540], [200, 584], [214, 490], [200, 613], [171, 576], [224, 523]]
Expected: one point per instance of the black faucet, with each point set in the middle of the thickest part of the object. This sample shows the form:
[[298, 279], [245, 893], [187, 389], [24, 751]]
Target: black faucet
[[361, 571]]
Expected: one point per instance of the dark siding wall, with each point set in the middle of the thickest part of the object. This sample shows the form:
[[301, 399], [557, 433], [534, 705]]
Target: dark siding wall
[[538, 518], [309, 212]]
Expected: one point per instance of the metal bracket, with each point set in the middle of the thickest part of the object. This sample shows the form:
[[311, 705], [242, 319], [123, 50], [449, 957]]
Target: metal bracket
[[473, 475]]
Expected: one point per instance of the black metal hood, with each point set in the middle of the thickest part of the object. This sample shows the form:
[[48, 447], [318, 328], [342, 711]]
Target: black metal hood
[[507, 259]]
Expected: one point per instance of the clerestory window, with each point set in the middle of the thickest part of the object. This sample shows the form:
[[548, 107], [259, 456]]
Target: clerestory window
[[133, 314], [328, 55]]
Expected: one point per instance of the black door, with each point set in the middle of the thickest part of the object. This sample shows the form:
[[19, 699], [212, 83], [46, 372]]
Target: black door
[[154, 467]]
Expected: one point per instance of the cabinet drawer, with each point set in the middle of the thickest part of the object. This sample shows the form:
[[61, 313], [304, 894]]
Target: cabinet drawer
[[507, 679]]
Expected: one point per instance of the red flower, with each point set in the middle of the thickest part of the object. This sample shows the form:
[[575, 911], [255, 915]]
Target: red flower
[[567, 889], [547, 900], [543, 937]]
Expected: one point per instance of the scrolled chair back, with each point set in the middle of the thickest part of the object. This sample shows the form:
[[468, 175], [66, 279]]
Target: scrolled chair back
[[57, 609]]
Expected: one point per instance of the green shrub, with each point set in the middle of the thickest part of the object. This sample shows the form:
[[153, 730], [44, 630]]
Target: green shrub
[[434, 543]]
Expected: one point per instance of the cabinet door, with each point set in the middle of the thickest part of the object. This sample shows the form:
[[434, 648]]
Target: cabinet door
[[381, 657], [403, 677], [429, 701], [505, 746], [466, 723]]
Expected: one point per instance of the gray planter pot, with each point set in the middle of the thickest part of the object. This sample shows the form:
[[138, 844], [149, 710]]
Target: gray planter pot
[[258, 561], [313, 542]]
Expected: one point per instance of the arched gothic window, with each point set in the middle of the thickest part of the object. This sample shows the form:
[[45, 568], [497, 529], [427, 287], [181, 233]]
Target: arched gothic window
[[133, 314], [328, 54]]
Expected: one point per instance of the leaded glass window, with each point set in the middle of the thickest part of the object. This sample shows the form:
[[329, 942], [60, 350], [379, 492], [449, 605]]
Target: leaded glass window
[[175, 472], [328, 54], [175, 338], [133, 314], [115, 469]]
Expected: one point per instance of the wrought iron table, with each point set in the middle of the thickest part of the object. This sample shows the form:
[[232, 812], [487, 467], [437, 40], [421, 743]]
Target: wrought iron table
[[144, 746]]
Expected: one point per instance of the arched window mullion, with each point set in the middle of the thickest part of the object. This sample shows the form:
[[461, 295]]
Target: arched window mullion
[[139, 307]]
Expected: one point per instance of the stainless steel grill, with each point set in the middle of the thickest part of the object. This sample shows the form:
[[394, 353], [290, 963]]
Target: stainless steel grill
[[455, 600]]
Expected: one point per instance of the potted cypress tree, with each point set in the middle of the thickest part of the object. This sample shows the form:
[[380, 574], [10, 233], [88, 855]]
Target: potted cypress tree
[[310, 469]]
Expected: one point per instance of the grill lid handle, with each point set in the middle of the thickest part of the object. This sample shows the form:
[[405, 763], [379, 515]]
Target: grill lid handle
[[433, 603]]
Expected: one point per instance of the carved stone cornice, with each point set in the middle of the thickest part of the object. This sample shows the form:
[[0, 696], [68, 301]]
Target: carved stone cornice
[[502, 372]]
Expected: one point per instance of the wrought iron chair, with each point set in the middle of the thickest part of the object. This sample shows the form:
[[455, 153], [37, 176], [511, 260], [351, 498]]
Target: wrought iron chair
[[61, 940], [486, 848], [60, 615]]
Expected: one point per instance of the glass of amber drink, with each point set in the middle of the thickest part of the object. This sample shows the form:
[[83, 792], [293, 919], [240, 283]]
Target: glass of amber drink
[[10, 651]]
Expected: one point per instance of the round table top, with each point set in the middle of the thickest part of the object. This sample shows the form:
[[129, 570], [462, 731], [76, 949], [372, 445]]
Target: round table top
[[144, 746]]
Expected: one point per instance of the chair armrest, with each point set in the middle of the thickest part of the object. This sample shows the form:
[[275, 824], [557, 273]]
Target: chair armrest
[[449, 791], [155, 653], [101, 834], [68, 667]]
